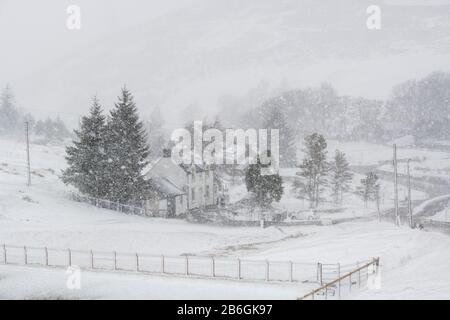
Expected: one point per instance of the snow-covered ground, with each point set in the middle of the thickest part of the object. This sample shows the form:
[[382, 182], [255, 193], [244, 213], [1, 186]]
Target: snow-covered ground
[[443, 215], [414, 263], [365, 153], [39, 283]]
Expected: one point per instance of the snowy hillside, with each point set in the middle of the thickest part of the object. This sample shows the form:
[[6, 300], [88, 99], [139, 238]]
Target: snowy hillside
[[43, 215]]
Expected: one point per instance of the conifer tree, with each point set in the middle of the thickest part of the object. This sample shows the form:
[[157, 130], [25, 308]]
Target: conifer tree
[[86, 158], [9, 115], [370, 188], [313, 169], [127, 151], [341, 176], [267, 188]]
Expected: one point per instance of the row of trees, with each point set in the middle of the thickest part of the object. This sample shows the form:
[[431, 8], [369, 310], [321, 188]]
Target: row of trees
[[11, 118], [109, 154], [316, 173], [50, 130], [12, 121], [417, 107]]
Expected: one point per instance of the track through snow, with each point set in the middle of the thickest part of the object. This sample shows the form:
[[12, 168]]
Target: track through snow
[[414, 264]]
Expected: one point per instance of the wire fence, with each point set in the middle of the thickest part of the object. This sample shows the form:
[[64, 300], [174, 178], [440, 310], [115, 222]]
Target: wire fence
[[433, 223], [348, 279], [111, 205], [185, 265]]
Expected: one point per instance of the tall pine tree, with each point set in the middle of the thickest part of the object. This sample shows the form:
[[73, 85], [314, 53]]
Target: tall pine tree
[[9, 115], [127, 150], [86, 158], [341, 176], [313, 169], [370, 189]]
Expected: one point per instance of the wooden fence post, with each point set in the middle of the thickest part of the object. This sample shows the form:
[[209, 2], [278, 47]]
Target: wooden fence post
[[350, 282], [291, 277], [137, 262], [359, 275], [46, 256], [339, 280], [213, 267], [25, 255], [319, 273], [267, 270], [69, 255], [4, 254], [92, 259], [187, 265], [239, 269], [162, 264], [115, 260]]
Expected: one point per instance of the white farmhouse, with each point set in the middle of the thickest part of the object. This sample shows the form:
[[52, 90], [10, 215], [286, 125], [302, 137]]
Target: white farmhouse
[[177, 189]]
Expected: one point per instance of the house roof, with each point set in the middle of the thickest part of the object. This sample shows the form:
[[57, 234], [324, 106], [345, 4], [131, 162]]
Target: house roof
[[188, 168], [165, 167], [164, 187]]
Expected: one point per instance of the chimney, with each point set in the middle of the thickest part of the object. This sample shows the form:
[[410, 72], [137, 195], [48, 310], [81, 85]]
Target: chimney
[[167, 153]]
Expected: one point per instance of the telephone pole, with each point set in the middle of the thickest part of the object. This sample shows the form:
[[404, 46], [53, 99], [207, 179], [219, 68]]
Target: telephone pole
[[397, 217], [409, 195], [28, 152]]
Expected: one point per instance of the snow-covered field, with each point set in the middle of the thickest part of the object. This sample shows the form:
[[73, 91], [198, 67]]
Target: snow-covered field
[[365, 153], [443, 215], [40, 283], [414, 263]]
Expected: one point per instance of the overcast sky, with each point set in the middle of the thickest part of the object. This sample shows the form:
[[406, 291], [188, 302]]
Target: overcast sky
[[178, 54]]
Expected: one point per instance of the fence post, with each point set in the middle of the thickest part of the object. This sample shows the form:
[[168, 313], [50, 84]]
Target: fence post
[[4, 254], [162, 263], [137, 262], [92, 259], [267, 270], [46, 256], [239, 269], [319, 273], [350, 279], [25, 255], [115, 260], [213, 267], [69, 252], [339, 280], [359, 275], [187, 265], [291, 278]]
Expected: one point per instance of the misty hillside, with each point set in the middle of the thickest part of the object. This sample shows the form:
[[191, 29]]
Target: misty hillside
[[191, 56]]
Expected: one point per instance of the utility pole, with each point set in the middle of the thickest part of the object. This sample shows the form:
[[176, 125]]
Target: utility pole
[[409, 195], [28, 152], [397, 218]]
